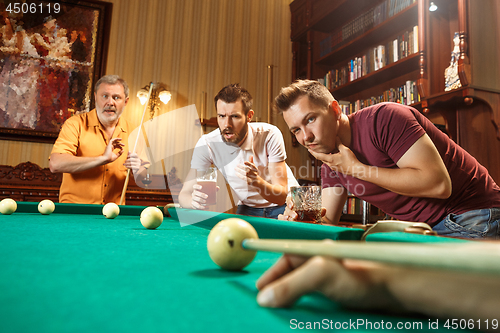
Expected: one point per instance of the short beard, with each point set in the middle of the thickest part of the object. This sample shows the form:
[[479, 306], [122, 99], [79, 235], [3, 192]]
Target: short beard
[[238, 137]]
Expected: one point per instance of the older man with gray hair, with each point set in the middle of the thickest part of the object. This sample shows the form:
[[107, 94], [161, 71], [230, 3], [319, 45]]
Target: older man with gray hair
[[90, 148]]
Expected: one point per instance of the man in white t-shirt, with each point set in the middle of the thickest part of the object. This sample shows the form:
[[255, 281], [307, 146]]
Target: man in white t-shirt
[[250, 156]]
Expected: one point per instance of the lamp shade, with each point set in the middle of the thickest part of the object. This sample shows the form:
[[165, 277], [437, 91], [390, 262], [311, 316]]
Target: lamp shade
[[143, 96], [165, 96]]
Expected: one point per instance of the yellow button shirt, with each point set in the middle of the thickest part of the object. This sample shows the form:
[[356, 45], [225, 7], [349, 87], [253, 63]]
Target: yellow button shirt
[[83, 135]]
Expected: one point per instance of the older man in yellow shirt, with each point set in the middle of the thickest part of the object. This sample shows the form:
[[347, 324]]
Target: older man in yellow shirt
[[90, 148]]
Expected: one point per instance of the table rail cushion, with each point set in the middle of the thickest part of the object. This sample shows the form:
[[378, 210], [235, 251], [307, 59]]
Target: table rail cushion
[[268, 228], [399, 236]]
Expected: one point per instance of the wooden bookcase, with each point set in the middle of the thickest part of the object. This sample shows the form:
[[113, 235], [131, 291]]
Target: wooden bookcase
[[470, 114]]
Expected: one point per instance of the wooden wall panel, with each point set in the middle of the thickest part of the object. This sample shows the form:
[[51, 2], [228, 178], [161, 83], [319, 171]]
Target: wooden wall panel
[[485, 40]]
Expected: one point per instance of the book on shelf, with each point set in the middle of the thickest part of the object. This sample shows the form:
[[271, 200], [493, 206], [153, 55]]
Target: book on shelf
[[415, 39], [346, 107], [395, 51], [352, 206], [406, 94], [373, 59], [362, 23]]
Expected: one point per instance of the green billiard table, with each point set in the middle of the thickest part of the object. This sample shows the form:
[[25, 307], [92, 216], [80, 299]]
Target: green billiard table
[[76, 271]]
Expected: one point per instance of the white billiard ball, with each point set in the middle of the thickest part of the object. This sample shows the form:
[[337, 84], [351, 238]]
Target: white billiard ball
[[151, 217], [224, 244], [46, 207], [110, 210], [8, 206]]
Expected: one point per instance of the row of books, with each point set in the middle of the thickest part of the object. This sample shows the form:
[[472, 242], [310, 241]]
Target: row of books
[[405, 44], [395, 6], [374, 59], [404, 94], [353, 205], [346, 107], [362, 23]]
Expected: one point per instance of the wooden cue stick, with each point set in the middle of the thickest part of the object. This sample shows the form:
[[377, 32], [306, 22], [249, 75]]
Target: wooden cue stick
[[269, 92], [125, 185], [475, 257]]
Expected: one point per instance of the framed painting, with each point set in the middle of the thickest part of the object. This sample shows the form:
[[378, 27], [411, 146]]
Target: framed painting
[[51, 55]]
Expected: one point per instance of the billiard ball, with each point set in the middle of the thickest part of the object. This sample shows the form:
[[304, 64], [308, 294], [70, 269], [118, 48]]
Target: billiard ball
[[8, 206], [224, 244], [167, 206], [110, 210], [46, 207], [151, 217]]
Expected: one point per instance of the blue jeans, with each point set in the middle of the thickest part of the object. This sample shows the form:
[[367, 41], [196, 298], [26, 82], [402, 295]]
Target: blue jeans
[[481, 223], [269, 212]]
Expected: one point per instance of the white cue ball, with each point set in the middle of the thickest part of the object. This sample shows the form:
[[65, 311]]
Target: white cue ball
[[151, 217], [8, 206], [224, 244], [110, 210], [46, 207]]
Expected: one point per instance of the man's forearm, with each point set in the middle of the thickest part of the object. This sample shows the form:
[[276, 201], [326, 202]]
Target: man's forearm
[[405, 181], [71, 164], [420, 172], [185, 198], [271, 192], [442, 293]]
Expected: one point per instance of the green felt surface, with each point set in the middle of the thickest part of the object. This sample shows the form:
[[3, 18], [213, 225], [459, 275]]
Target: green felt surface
[[81, 272]]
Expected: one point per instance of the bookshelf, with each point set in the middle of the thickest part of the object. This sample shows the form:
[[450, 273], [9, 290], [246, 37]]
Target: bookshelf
[[354, 212], [329, 35]]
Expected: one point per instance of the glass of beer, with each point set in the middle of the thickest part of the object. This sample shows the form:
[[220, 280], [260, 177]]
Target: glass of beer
[[208, 181], [307, 203]]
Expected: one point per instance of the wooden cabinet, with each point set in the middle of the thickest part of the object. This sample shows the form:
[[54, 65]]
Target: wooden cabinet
[[322, 42], [28, 182]]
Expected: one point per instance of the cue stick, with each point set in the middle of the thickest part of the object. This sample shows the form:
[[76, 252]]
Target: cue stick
[[269, 92], [475, 257], [122, 198]]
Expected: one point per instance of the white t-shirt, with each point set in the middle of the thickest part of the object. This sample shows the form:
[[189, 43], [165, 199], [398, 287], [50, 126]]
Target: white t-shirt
[[264, 142]]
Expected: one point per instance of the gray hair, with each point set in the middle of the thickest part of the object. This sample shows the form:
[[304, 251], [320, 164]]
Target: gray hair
[[113, 79]]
